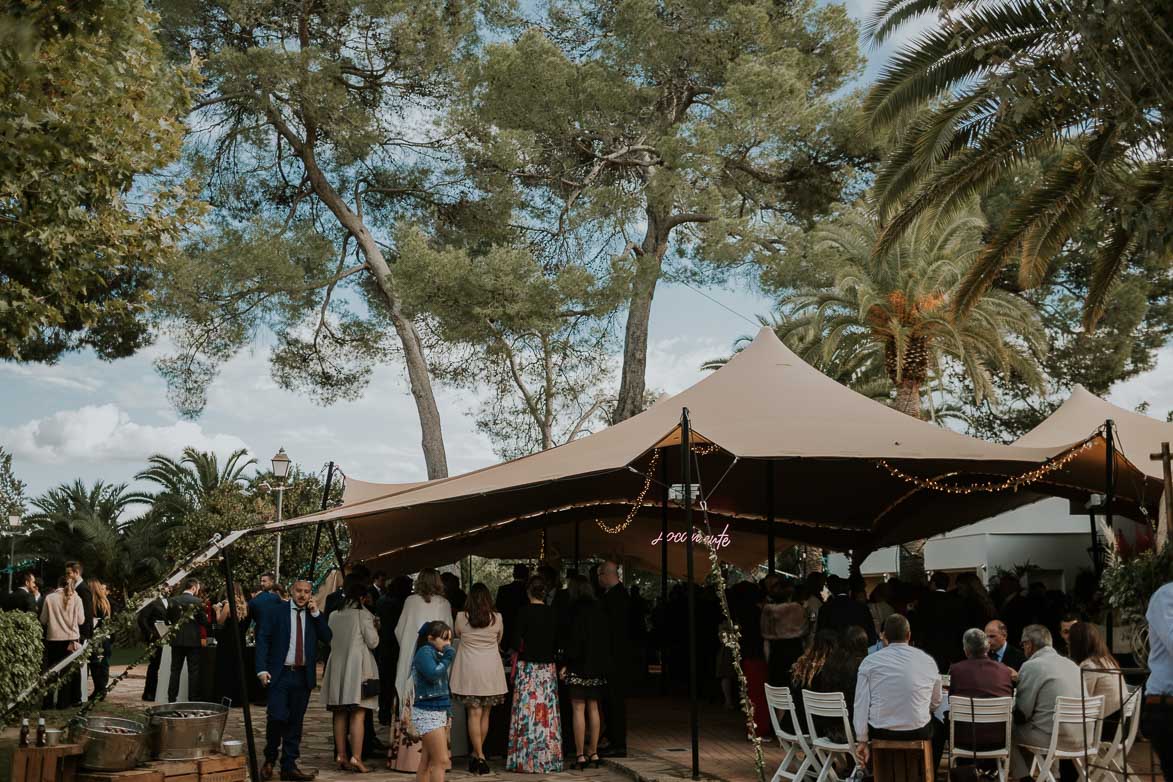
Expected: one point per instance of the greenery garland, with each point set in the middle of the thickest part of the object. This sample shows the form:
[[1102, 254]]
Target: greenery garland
[[732, 641], [52, 681]]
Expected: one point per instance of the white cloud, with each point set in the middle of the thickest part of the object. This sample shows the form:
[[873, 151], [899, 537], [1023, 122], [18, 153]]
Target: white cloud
[[104, 433], [52, 375]]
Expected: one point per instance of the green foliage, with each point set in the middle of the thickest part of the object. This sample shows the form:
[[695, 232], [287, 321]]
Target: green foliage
[[21, 651], [1129, 584], [11, 488], [535, 333], [890, 316], [88, 108], [1080, 86], [188, 483], [633, 128], [73, 521]]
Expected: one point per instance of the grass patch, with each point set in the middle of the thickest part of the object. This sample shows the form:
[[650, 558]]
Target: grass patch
[[127, 654]]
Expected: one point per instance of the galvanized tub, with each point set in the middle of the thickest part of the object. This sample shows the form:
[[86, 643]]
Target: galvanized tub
[[110, 743], [186, 731]]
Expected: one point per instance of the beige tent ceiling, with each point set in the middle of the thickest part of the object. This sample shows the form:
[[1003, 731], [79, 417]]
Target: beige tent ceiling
[[833, 454]]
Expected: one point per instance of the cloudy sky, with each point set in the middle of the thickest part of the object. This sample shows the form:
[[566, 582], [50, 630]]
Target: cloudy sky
[[87, 419]]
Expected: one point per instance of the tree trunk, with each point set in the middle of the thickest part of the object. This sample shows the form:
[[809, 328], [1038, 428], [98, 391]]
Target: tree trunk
[[413, 353], [908, 398], [649, 262]]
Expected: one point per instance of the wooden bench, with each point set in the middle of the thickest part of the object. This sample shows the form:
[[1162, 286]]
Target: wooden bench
[[902, 761]]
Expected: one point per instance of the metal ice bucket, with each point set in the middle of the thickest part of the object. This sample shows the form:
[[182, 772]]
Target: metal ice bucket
[[186, 731], [110, 743]]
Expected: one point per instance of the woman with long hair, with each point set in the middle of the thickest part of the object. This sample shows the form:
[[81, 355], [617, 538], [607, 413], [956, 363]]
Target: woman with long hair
[[228, 683], [588, 662], [431, 663], [805, 673], [535, 727], [100, 662], [784, 628], [352, 662], [478, 677], [1090, 652], [62, 615]]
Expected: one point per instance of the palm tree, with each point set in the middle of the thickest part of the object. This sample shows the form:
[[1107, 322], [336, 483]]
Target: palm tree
[[73, 521], [891, 316], [1082, 87], [185, 484]]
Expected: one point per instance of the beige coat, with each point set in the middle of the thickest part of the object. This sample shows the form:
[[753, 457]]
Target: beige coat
[[62, 623], [1110, 685], [351, 661], [477, 669]]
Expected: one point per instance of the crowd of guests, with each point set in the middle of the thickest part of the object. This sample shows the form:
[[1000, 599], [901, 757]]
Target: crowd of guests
[[69, 614]]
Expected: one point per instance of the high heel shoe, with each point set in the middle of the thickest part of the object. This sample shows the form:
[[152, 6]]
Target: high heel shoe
[[581, 763], [474, 765], [343, 763], [356, 765], [598, 763], [483, 767]]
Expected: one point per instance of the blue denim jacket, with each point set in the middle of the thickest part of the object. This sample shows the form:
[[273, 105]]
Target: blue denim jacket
[[430, 669]]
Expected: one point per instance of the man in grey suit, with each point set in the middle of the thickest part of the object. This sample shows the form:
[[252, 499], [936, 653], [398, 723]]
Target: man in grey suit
[[1044, 676]]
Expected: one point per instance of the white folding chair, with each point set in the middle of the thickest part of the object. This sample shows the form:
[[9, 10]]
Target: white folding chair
[[834, 705], [778, 699], [1112, 762], [1081, 748], [965, 713]]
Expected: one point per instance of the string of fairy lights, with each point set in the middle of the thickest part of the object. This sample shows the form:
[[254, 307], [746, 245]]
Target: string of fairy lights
[[649, 477], [1014, 482]]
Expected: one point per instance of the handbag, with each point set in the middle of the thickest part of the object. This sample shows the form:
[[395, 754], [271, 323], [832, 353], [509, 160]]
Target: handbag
[[371, 688]]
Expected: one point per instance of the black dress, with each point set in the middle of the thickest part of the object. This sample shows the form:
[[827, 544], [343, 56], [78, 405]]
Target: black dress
[[588, 652], [227, 668]]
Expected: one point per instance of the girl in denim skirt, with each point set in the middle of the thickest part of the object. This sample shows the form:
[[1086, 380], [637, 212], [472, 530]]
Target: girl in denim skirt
[[429, 711]]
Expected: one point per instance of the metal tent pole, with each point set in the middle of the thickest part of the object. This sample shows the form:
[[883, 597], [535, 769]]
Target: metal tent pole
[[577, 545], [238, 648], [1109, 496], [686, 477], [318, 531], [337, 550], [771, 544], [663, 566]]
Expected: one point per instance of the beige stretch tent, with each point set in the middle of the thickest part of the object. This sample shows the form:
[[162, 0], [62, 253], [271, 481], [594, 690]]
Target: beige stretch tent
[[843, 467]]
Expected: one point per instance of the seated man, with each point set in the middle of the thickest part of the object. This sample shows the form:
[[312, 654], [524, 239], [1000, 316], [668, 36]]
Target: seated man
[[978, 676], [1044, 676], [896, 691]]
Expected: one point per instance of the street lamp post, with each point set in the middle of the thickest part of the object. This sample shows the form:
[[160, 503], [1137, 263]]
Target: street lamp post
[[280, 464], [13, 529]]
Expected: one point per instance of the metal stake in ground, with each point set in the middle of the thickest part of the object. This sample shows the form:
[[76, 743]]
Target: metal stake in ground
[[686, 477], [238, 648]]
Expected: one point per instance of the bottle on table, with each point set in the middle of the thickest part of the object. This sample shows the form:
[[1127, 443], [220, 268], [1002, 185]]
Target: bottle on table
[[40, 731], [24, 732]]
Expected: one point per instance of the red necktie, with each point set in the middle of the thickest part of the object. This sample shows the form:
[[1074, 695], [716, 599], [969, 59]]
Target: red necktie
[[299, 649]]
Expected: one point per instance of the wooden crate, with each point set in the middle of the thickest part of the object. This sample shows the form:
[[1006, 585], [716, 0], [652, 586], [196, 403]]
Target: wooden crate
[[177, 770], [221, 768], [46, 764], [902, 761], [133, 775]]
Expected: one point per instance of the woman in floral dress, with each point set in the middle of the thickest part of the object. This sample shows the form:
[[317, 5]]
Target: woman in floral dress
[[535, 729]]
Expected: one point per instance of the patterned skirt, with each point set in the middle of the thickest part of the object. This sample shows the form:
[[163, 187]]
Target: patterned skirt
[[535, 730]]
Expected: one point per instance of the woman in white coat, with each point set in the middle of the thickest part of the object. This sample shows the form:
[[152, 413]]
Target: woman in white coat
[[351, 663]]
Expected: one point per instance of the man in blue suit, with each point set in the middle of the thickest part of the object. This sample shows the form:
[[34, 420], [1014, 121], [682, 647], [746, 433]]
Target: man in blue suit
[[287, 656], [265, 599]]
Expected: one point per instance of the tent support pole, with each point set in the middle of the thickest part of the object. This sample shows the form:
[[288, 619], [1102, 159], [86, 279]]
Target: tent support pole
[[577, 545], [686, 473], [771, 544], [245, 677], [1109, 496], [318, 531], [337, 550], [663, 563]]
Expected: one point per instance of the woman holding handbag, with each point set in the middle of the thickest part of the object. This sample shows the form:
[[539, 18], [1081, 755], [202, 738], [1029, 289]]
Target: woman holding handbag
[[62, 615], [350, 686]]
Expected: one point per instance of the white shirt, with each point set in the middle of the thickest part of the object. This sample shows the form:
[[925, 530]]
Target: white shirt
[[294, 617], [897, 689]]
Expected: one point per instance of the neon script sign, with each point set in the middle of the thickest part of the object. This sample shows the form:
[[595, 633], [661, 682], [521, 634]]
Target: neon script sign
[[717, 541]]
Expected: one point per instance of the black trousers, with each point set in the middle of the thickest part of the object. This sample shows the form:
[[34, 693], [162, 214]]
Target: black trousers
[[934, 730], [179, 655], [100, 666], [152, 683], [615, 712], [1156, 721], [69, 689]]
